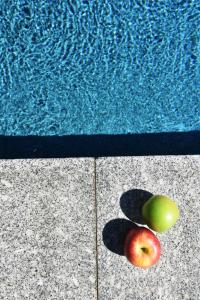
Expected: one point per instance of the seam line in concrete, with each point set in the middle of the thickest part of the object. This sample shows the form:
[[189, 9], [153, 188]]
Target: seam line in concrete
[[96, 229]]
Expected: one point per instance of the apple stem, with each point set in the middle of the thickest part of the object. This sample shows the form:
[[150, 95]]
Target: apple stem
[[145, 250]]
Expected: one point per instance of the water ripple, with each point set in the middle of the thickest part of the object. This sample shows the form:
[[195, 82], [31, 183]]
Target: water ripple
[[78, 66]]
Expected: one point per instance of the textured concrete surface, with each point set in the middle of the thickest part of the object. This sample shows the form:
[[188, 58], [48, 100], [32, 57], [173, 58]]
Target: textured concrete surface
[[48, 226], [47, 229], [177, 275]]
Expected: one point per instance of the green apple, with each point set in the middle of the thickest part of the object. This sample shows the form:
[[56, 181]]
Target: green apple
[[160, 213]]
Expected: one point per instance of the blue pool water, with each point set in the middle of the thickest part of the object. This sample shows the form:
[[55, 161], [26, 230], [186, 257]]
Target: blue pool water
[[99, 66]]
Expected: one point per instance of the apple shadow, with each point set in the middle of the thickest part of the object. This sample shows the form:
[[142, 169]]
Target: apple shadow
[[131, 203], [114, 234]]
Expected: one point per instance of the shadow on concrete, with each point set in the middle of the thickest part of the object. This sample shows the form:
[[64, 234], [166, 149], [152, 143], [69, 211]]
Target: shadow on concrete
[[115, 231], [175, 143], [114, 234], [131, 203]]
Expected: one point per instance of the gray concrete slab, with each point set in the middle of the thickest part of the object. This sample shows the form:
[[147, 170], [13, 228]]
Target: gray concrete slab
[[177, 275], [47, 229]]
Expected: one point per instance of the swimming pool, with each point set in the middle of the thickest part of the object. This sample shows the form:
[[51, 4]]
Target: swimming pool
[[99, 67]]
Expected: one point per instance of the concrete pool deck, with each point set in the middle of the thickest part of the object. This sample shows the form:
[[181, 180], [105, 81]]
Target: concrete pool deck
[[62, 223]]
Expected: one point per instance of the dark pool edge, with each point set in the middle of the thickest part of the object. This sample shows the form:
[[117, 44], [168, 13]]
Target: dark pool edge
[[172, 143]]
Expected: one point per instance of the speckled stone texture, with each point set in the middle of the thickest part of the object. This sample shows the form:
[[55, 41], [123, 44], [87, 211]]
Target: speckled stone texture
[[177, 275], [47, 226]]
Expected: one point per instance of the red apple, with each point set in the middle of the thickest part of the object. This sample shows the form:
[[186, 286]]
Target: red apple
[[142, 248]]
